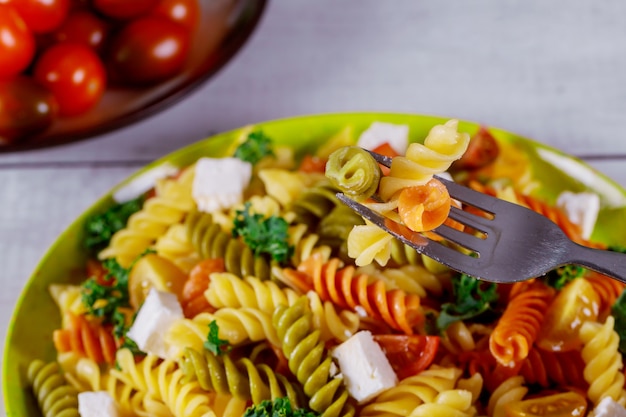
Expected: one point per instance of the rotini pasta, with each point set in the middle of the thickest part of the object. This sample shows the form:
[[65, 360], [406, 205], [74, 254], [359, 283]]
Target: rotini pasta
[[54, 395], [172, 201], [517, 329], [309, 362], [353, 171], [90, 340]]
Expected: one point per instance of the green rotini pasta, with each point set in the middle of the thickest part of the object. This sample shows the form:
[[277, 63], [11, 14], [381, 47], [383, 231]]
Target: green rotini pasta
[[210, 241], [241, 378], [55, 396], [309, 361], [353, 171], [314, 203]]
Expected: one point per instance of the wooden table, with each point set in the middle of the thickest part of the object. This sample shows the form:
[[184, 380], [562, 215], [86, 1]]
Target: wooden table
[[552, 71]]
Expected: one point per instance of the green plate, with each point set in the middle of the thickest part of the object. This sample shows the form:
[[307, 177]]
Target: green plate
[[36, 316]]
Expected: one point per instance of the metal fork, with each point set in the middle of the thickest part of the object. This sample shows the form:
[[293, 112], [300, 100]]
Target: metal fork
[[514, 243]]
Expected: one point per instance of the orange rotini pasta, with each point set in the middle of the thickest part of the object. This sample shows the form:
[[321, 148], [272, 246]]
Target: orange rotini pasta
[[88, 339], [517, 329]]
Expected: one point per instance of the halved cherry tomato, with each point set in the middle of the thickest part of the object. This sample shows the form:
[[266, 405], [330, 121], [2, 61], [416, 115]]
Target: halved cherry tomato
[[25, 108], [83, 27], [42, 16], [408, 354], [183, 12], [312, 164], [124, 9], [564, 404], [17, 43], [149, 50], [74, 74], [574, 304], [481, 151]]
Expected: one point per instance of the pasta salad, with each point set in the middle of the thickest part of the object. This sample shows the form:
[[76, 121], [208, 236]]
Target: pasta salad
[[241, 286]]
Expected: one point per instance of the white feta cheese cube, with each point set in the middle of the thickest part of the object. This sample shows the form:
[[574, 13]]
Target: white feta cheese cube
[[158, 312], [364, 366], [379, 133], [143, 182], [608, 407], [96, 404], [219, 183], [581, 208]]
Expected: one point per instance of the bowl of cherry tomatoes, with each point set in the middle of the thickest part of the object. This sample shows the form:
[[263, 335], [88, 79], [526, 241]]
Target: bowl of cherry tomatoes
[[75, 69]]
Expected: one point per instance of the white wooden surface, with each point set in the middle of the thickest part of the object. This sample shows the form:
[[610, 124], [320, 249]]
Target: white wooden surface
[[552, 71]]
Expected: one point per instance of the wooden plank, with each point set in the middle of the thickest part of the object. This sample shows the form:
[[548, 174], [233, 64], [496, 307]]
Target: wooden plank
[[509, 64]]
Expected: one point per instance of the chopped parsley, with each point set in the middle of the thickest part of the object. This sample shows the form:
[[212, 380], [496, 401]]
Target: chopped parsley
[[472, 298], [121, 324], [99, 228], [213, 343], [256, 147], [263, 235], [560, 277], [103, 297], [280, 407]]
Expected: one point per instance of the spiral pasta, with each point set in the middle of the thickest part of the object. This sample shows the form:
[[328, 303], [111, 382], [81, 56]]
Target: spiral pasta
[[87, 339], [412, 392], [519, 325], [314, 203], [410, 278], [554, 368], [172, 201], [309, 361], [608, 290], [212, 242], [353, 171], [228, 290], [175, 246], [241, 378], [603, 362], [443, 145], [511, 390], [163, 381], [192, 300], [399, 310], [306, 244], [367, 243], [54, 395], [68, 298]]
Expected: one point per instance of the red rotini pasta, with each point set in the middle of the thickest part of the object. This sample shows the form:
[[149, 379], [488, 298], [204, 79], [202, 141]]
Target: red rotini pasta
[[88, 339], [193, 300], [399, 310], [517, 329]]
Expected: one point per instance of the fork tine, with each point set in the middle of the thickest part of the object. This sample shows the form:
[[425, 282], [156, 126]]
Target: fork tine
[[467, 240], [381, 159], [476, 222], [469, 196]]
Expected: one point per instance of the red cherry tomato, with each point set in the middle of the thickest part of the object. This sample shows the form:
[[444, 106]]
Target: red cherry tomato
[[148, 50], [26, 108], [184, 12], [408, 355], [17, 43], [42, 16], [74, 74], [83, 27], [124, 9]]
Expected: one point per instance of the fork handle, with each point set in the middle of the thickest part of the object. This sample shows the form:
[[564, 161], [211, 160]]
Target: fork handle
[[606, 262]]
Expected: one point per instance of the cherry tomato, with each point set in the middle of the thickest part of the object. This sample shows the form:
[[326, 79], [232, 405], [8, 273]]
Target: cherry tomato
[[42, 16], [408, 355], [17, 43], [481, 151], [26, 108], [83, 27], [74, 74], [313, 164], [184, 12], [124, 9], [574, 304], [564, 404], [149, 50]]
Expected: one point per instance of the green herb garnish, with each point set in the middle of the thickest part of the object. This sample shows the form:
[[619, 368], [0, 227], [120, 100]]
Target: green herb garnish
[[263, 235], [121, 325], [100, 228], [102, 299], [472, 298], [256, 147], [213, 343], [618, 311], [280, 407], [560, 277]]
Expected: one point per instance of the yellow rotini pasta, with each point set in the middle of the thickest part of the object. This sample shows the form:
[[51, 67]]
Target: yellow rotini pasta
[[511, 390], [171, 202], [175, 246]]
